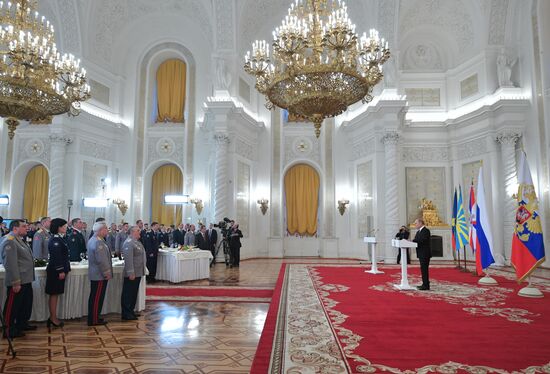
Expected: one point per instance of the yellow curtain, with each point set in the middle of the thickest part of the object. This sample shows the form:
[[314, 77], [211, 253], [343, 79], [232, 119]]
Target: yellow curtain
[[302, 200], [171, 91], [35, 196], [167, 180]]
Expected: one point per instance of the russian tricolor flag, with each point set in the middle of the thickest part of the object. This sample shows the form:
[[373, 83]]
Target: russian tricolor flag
[[527, 243], [482, 227]]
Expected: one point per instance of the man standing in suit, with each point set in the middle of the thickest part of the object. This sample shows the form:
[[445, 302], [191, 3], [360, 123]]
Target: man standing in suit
[[202, 239], [235, 236], [76, 241], [151, 244], [423, 252], [213, 239]]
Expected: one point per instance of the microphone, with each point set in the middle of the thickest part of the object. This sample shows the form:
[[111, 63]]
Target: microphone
[[373, 231]]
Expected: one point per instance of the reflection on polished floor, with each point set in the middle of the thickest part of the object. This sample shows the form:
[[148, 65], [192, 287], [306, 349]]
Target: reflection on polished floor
[[169, 337]]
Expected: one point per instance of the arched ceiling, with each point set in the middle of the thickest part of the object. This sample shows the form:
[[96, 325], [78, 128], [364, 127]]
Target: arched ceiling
[[109, 18], [427, 35]]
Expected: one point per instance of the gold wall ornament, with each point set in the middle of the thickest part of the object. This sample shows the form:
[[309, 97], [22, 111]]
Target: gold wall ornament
[[36, 81], [198, 205], [342, 205], [429, 213], [263, 203], [319, 65], [122, 206]]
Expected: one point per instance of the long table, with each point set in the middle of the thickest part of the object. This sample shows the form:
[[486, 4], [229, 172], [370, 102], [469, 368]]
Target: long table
[[74, 302], [180, 266]]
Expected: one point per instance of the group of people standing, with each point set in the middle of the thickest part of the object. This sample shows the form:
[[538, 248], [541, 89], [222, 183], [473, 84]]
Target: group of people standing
[[64, 245]]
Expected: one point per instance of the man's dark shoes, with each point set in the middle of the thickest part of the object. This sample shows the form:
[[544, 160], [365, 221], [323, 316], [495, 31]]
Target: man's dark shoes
[[129, 318], [29, 328], [422, 288]]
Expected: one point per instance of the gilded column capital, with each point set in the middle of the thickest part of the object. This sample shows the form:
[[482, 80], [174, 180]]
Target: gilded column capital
[[390, 138], [508, 137]]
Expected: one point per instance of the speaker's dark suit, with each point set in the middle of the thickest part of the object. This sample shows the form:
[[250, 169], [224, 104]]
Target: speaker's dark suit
[[424, 253]]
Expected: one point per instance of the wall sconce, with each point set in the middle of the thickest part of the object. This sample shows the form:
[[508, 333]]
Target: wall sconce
[[342, 206], [263, 203], [198, 205], [122, 206]]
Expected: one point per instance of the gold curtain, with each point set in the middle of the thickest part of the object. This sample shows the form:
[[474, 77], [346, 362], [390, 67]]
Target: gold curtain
[[167, 180], [35, 196], [171, 91], [302, 200]]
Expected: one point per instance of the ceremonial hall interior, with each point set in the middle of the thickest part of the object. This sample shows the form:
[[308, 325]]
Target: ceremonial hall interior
[[310, 136]]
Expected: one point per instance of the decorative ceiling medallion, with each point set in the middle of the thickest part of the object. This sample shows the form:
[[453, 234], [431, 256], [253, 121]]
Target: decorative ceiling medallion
[[34, 148], [165, 147], [302, 146]]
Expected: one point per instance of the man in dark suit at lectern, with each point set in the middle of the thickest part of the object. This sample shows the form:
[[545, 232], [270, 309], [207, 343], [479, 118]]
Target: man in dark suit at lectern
[[423, 251]]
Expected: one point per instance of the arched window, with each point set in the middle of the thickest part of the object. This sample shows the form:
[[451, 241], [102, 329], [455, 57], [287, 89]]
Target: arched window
[[171, 76], [302, 200], [35, 197], [167, 180]]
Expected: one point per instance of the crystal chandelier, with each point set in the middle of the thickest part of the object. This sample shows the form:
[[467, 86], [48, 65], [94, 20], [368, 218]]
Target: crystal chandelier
[[319, 66], [36, 82]]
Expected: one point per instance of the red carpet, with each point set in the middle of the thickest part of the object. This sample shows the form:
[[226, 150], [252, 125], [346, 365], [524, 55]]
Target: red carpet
[[456, 327], [235, 294], [262, 358]]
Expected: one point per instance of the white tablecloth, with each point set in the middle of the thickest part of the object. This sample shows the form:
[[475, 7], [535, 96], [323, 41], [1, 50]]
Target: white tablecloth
[[182, 266], [74, 302]]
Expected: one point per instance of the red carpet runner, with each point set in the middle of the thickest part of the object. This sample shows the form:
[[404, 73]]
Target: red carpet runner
[[208, 293], [457, 326]]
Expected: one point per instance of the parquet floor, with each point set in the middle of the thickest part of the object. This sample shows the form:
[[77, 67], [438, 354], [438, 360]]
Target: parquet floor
[[169, 337]]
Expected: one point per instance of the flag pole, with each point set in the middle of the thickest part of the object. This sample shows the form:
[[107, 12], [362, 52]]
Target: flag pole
[[465, 266], [530, 290], [487, 280], [459, 266]]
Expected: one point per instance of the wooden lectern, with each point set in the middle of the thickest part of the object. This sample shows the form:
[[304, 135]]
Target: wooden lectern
[[374, 266], [403, 245]]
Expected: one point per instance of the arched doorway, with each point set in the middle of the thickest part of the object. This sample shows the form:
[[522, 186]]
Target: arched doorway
[[35, 196], [301, 200], [167, 180]]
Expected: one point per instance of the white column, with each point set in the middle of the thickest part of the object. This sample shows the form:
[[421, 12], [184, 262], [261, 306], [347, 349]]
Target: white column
[[221, 177], [56, 203], [507, 141], [391, 206]]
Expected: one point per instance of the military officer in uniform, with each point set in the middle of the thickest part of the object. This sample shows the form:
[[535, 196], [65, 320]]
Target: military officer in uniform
[[76, 240], [100, 270], [41, 239], [134, 269], [19, 264], [121, 238], [111, 238], [151, 244], [162, 237]]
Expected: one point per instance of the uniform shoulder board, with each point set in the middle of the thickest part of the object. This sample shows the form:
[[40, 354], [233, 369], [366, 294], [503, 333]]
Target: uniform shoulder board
[[10, 237]]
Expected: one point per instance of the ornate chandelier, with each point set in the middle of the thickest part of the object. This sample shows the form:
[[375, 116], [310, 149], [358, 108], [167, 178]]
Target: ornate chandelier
[[36, 82], [319, 66]]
